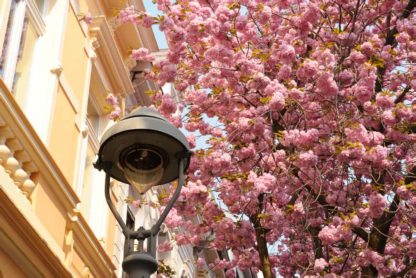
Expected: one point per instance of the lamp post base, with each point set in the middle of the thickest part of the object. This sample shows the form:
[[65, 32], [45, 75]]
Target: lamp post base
[[139, 265]]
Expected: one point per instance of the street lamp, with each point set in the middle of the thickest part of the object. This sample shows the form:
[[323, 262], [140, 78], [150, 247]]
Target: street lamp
[[144, 150]]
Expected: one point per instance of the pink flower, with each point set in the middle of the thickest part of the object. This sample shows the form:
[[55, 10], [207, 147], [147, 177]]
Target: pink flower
[[313, 13], [296, 94], [136, 203], [88, 18], [277, 102], [116, 110], [363, 93], [328, 235], [167, 72], [301, 138], [173, 220], [308, 70], [115, 114], [191, 140], [346, 77], [331, 234], [389, 118], [128, 15], [306, 159], [320, 265], [147, 20], [357, 57], [357, 133], [368, 257], [327, 85], [263, 183], [165, 247], [384, 101], [404, 193], [219, 53], [378, 156], [286, 53], [284, 72], [168, 105], [367, 48], [112, 99], [403, 38], [377, 204], [142, 54], [200, 263]]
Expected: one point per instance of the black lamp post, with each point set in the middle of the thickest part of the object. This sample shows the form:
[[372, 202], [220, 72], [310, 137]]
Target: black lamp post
[[144, 150]]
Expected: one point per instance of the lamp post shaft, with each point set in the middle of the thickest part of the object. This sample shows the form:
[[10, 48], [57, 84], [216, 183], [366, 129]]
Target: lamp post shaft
[[139, 273]]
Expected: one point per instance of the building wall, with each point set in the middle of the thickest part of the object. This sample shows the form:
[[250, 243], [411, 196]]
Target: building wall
[[55, 73]]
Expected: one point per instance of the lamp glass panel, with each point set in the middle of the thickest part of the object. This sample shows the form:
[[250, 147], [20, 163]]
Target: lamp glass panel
[[143, 168]]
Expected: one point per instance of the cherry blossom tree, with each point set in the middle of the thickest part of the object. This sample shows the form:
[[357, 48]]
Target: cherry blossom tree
[[310, 111]]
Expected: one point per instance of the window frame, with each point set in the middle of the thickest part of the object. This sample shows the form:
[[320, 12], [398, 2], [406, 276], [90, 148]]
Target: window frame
[[22, 9]]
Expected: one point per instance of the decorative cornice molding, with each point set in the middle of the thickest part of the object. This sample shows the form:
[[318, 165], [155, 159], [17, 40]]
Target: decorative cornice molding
[[110, 56]]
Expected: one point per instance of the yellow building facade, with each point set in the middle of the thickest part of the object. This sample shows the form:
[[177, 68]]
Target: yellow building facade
[[55, 73]]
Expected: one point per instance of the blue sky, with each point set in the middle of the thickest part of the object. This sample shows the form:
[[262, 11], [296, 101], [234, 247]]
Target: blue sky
[[151, 8]]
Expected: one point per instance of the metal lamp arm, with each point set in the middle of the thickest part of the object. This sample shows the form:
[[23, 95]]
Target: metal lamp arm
[[156, 228], [126, 231]]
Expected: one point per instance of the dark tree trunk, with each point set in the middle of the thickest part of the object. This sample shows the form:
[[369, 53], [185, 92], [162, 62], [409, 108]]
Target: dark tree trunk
[[261, 247]]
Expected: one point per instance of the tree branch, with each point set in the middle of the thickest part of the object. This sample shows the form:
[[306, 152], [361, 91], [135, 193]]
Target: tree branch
[[361, 233], [391, 40], [402, 95], [317, 243]]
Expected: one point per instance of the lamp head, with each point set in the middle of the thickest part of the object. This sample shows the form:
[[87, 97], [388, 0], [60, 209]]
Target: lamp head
[[142, 150]]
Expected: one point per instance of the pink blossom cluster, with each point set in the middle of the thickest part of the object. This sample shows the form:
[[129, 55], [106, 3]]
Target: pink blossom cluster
[[195, 192], [320, 264], [142, 54], [131, 15], [308, 110], [88, 18], [377, 203], [115, 112], [300, 138], [332, 234], [165, 247]]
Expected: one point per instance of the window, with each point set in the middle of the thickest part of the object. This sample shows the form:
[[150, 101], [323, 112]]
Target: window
[[92, 200], [24, 25], [130, 219], [13, 41], [24, 60]]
